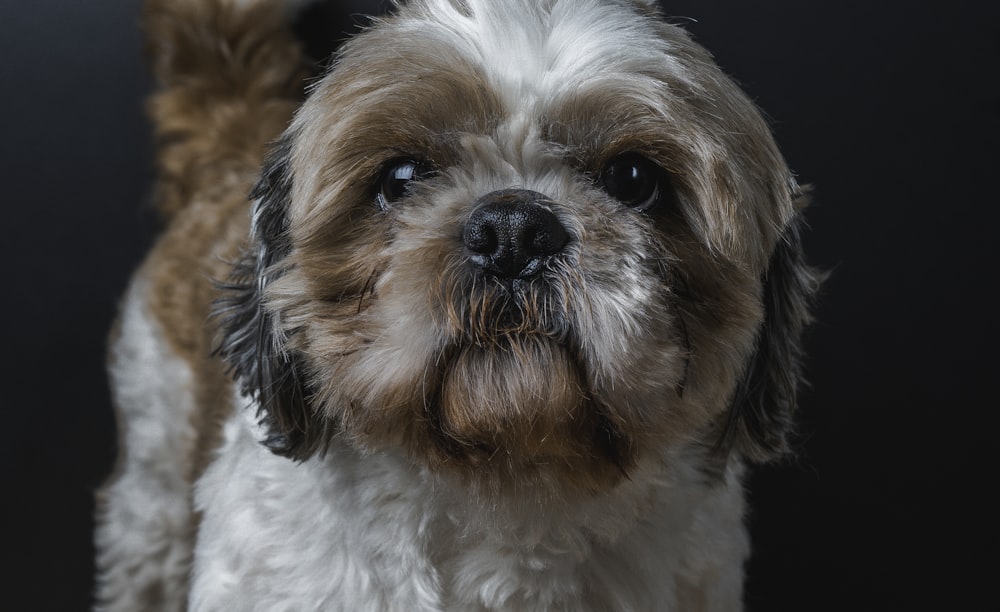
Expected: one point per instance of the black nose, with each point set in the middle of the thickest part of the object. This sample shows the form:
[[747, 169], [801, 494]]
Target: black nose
[[511, 235]]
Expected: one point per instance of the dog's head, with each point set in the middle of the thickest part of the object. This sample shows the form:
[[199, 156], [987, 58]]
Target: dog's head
[[523, 239]]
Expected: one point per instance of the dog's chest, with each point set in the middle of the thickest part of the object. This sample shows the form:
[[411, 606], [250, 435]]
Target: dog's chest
[[352, 532]]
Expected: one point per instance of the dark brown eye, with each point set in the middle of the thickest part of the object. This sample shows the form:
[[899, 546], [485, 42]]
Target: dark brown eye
[[397, 178], [635, 181]]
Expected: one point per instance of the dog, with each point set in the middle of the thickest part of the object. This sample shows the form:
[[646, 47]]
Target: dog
[[516, 296]]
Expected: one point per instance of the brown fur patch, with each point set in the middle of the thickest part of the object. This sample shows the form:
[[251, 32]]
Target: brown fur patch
[[521, 405], [229, 79]]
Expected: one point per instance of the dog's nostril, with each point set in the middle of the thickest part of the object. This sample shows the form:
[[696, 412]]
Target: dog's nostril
[[480, 237], [511, 235], [548, 237]]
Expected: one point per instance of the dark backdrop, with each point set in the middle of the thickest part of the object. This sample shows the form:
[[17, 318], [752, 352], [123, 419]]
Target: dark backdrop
[[892, 110]]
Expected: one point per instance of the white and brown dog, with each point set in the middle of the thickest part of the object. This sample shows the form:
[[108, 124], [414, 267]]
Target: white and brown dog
[[519, 292]]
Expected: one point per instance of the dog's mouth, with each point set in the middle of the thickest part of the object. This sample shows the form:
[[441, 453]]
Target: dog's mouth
[[513, 393], [522, 403], [491, 311]]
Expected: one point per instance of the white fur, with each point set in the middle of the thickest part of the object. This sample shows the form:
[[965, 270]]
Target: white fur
[[534, 50], [374, 532], [144, 530]]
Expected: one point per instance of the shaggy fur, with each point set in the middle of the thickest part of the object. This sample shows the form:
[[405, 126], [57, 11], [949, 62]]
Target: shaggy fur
[[519, 292]]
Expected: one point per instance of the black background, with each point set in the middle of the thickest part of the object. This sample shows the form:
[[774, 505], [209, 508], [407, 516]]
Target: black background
[[891, 109]]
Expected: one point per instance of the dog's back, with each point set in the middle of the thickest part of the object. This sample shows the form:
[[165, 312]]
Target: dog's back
[[229, 74]]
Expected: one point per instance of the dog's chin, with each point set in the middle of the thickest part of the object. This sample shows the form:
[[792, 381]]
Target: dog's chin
[[518, 408]]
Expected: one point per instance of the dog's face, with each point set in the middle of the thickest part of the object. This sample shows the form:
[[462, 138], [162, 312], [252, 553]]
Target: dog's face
[[541, 242]]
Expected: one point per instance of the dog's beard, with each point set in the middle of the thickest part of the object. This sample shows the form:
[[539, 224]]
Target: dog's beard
[[519, 396], [514, 389]]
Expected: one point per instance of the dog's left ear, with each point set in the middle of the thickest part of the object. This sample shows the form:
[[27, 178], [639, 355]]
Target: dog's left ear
[[759, 420], [252, 342]]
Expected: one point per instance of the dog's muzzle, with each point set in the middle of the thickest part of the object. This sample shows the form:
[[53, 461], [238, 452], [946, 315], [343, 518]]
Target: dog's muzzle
[[512, 234]]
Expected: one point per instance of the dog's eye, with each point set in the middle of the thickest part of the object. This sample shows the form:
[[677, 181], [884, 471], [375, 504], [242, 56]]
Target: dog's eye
[[397, 177], [635, 181]]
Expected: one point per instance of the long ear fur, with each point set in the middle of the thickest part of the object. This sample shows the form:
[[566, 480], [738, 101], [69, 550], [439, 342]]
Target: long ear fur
[[252, 344], [760, 418]]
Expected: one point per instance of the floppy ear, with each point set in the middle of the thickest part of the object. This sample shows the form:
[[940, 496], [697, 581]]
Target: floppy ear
[[252, 344], [760, 418]]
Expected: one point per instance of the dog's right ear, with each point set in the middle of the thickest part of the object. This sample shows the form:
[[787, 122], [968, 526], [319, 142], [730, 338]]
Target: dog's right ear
[[252, 343], [761, 415]]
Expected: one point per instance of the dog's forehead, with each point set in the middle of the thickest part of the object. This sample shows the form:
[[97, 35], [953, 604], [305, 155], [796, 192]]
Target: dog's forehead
[[530, 50], [580, 71]]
